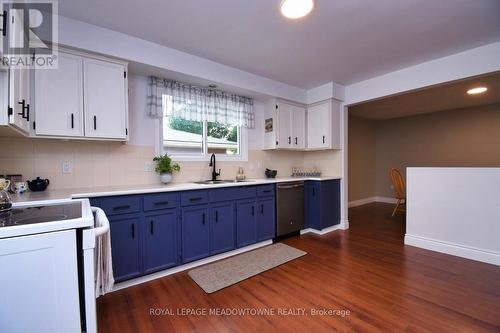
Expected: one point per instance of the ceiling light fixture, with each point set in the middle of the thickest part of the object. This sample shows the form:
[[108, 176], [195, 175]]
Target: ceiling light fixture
[[478, 90], [294, 9]]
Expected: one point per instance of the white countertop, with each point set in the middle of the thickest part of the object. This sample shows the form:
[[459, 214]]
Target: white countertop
[[102, 191]]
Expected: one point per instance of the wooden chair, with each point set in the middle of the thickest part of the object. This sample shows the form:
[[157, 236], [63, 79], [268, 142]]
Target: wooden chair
[[398, 183]]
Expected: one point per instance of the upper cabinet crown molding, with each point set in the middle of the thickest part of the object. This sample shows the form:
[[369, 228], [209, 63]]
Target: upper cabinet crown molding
[[292, 126]]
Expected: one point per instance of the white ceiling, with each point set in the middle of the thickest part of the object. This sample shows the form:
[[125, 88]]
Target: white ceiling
[[345, 41], [439, 98]]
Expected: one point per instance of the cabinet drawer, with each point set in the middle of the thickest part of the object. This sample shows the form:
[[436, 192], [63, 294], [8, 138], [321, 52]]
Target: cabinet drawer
[[232, 193], [194, 198], [265, 190], [160, 201], [121, 205]]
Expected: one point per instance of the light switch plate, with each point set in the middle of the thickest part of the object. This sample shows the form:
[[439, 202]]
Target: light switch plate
[[148, 166], [67, 167]]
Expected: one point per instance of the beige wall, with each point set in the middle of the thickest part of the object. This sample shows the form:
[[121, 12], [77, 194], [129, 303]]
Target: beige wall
[[101, 163], [465, 137], [455, 138], [361, 158], [98, 163]]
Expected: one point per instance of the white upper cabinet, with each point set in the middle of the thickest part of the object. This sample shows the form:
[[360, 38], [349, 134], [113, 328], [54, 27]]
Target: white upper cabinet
[[85, 97], [298, 127], [323, 125], [284, 122], [19, 109], [59, 98], [285, 126], [105, 99]]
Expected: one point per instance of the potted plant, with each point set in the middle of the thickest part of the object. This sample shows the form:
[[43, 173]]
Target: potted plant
[[165, 167]]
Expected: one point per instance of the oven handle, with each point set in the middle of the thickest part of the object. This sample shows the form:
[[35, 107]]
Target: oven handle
[[104, 222]]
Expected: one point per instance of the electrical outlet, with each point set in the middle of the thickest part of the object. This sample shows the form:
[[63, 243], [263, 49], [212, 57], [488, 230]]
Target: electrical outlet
[[148, 166], [67, 167]]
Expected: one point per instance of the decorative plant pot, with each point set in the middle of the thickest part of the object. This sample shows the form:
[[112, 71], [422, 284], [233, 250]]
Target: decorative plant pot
[[165, 178]]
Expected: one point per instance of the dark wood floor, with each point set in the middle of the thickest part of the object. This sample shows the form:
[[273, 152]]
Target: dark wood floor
[[386, 286]]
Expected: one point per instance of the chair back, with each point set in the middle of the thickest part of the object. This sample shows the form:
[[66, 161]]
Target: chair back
[[398, 183]]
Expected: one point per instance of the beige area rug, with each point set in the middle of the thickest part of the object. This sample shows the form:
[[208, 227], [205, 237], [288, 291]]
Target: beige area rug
[[226, 272]]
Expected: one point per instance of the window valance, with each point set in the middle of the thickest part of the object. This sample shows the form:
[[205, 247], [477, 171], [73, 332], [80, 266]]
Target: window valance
[[185, 101]]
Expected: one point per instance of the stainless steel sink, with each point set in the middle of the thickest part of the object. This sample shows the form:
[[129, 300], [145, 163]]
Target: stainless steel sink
[[211, 182]]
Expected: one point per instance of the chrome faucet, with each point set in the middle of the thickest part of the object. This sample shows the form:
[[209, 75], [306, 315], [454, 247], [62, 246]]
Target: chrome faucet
[[212, 164]]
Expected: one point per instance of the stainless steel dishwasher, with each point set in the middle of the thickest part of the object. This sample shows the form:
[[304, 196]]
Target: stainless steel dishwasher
[[290, 208]]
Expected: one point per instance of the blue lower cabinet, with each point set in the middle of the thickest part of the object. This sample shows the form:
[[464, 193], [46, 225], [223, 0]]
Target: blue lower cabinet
[[265, 219], [195, 233], [312, 204], [125, 246], [222, 230], [246, 229], [160, 241], [322, 204]]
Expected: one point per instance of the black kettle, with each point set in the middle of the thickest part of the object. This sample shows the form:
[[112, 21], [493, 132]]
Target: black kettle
[[38, 184]]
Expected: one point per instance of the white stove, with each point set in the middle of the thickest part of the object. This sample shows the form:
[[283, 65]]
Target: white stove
[[47, 258]]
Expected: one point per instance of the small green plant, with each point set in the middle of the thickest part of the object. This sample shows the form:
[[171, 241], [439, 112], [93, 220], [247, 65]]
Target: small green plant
[[164, 164]]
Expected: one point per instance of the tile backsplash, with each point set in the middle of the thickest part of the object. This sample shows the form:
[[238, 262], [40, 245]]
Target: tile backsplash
[[100, 163]]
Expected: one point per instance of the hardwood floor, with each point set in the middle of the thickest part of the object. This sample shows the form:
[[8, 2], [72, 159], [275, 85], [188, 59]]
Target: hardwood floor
[[386, 287]]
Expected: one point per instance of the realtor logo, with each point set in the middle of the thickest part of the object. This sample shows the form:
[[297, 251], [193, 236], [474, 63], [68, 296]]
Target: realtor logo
[[29, 34]]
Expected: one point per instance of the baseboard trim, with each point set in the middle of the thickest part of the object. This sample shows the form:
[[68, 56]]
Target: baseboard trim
[[323, 231], [365, 201], [454, 249], [360, 202], [177, 269]]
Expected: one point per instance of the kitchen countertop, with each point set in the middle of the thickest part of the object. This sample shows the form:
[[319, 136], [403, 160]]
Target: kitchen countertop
[[91, 192]]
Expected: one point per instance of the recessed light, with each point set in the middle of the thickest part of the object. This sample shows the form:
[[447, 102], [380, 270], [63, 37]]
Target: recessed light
[[294, 9], [477, 90]]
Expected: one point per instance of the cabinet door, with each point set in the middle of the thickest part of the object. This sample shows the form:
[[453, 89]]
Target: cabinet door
[[246, 230], [222, 227], [45, 267], [330, 203], [266, 219], [284, 115], [318, 126], [298, 127], [313, 204], [195, 233], [59, 98], [160, 241], [105, 104], [19, 99], [125, 247]]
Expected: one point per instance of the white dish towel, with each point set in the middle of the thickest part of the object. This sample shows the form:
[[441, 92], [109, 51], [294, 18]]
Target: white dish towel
[[104, 280]]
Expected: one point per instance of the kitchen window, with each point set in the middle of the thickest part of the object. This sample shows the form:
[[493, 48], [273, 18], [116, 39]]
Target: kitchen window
[[197, 139]]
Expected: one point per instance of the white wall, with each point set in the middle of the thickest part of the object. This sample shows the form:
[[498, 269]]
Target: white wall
[[455, 211], [92, 38]]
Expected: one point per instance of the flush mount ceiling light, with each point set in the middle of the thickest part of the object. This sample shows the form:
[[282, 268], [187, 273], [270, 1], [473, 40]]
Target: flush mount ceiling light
[[478, 90], [294, 9]]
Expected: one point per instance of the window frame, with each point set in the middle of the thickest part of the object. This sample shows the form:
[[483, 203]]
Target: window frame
[[203, 155]]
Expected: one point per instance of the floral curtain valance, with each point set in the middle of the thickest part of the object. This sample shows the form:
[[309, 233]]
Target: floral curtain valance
[[189, 102]]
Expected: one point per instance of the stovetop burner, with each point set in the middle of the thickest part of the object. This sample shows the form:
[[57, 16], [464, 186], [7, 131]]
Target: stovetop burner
[[41, 214]]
